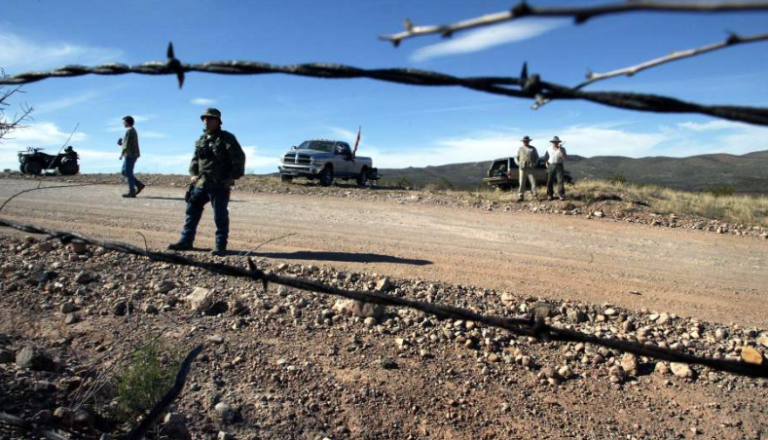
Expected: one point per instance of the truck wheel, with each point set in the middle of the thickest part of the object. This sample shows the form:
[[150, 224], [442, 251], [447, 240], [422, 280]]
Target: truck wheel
[[362, 179], [326, 176], [34, 168], [69, 167], [286, 178]]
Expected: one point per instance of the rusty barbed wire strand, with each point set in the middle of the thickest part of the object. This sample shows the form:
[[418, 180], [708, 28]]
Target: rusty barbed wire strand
[[579, 14], [531, 87], [519, 326]]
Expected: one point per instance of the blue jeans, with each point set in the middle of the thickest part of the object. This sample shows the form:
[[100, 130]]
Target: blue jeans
[[128, 164], [219, 198]]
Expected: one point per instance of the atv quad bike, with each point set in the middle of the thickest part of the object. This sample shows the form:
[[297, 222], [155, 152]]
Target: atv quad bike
[[35, 162]]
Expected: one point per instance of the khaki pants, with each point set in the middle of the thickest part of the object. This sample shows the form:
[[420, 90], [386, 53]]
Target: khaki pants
[[527, 174]]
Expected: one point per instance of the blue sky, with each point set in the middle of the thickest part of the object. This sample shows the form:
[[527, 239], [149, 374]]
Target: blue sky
[[402, 125]]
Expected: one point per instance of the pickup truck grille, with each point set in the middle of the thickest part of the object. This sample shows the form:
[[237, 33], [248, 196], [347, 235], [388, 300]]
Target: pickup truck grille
[[300, 159]]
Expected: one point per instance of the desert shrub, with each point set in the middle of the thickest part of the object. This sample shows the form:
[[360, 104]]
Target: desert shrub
[[722, 191], [617, 179], [145, 381], [442, 184], [403, 183]]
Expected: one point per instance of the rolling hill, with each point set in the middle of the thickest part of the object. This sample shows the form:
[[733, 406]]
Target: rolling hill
[[746, 173]]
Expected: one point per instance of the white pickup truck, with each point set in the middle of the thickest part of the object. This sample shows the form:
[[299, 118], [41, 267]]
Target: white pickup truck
[[326, 160]]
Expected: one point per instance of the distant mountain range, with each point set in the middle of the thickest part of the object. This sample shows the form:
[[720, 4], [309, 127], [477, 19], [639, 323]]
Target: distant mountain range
[[746, 173]]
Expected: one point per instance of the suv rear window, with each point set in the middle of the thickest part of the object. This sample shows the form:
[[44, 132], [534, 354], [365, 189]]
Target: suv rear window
[[499, 168]]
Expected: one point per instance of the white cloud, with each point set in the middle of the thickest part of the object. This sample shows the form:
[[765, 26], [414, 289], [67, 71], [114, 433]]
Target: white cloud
[[342, 134], [582, 140], [22, 54], [164, 163], [259, 163], [488, 37], [41, 134], [735, 139], [717, 124], [600, 141], [203, 101], [90, 156]]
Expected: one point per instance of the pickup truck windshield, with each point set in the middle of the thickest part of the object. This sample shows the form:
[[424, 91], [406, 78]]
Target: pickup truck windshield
[[317, 146]]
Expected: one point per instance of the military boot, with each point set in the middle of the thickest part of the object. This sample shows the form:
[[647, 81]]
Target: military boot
[[180, 246], [139, 188], [220, 251]]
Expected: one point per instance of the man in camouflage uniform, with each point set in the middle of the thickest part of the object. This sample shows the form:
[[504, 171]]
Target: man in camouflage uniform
[[527, 158], [217, 162], [130, 154]]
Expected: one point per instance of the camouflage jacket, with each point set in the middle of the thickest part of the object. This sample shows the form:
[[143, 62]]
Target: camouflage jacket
[[218, 159], [131, 143]]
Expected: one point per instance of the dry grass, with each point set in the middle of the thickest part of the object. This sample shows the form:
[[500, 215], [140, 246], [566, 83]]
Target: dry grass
[[743, 209]]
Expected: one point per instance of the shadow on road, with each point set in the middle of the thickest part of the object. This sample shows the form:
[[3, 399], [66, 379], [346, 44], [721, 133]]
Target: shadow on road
[[339, 257], [178, 199]]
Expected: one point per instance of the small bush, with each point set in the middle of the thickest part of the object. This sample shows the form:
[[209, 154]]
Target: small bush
[[722, 191], [617, 179], [442, 184], [145, 381], [404, 183]]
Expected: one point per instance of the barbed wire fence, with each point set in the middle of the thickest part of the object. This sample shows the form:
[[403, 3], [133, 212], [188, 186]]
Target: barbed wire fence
[[525, 87]]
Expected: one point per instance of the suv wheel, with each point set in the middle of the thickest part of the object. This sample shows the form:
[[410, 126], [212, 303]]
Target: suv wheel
[[286, 178], [326, 176]]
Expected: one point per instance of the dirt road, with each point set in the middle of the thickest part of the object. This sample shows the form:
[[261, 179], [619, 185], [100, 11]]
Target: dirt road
[[716, 278]]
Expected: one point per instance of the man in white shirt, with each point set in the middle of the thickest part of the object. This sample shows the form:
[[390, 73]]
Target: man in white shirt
[[555, 157]]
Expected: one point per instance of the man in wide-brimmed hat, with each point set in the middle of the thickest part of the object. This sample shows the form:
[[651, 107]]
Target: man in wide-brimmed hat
[[526, 160], [217, 162], [556, 156]]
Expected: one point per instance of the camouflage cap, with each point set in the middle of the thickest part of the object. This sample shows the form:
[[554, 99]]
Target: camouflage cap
[[211, 113]]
